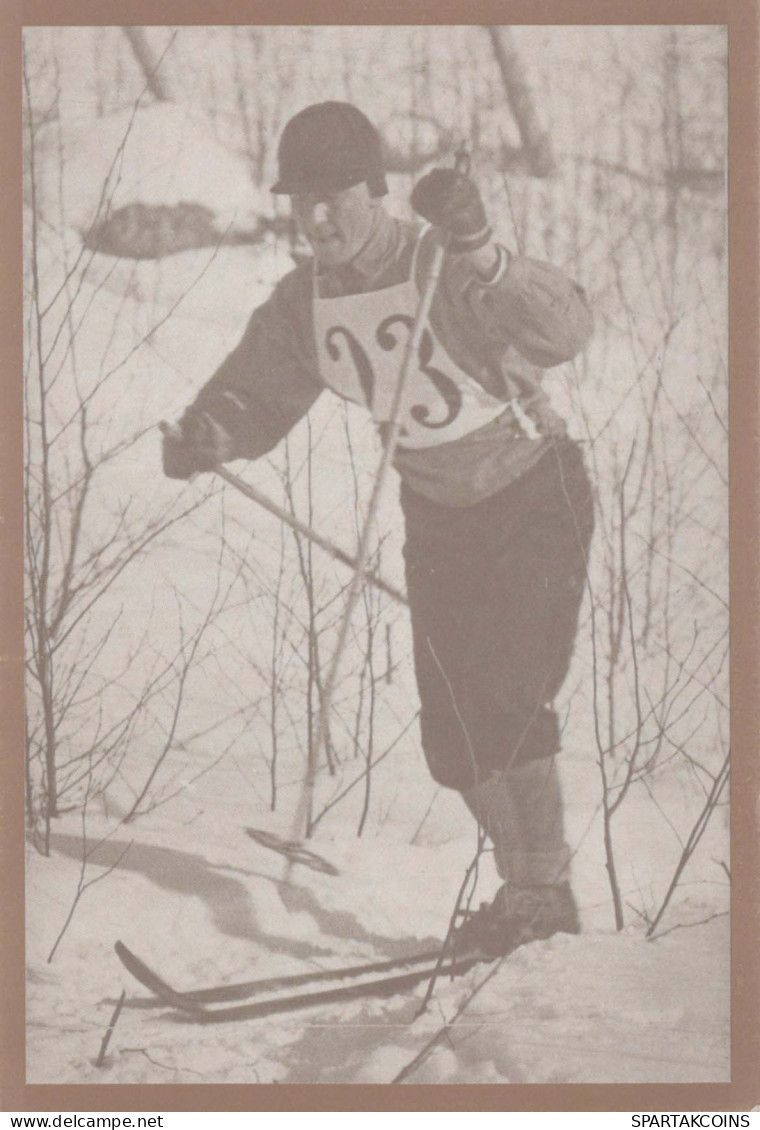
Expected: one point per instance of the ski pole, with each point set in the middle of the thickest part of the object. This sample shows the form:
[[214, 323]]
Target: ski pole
[[334, 551], [290, 520], [302, 821]]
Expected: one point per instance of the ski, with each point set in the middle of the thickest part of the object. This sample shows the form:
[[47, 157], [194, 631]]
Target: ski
[[240, 990], [385, 979]]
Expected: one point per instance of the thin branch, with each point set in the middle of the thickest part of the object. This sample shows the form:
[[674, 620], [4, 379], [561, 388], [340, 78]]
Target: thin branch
[[695, 836]]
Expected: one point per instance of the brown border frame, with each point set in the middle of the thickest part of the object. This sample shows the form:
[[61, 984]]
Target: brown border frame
[[743, 20]]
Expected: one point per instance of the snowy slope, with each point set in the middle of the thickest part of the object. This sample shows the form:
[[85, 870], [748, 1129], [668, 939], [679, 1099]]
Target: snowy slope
[[202, 903]]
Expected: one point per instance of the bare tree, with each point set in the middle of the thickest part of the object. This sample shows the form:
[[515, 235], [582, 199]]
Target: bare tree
[[78, 547]]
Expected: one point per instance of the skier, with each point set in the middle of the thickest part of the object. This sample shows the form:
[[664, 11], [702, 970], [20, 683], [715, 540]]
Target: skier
[[497, 504]]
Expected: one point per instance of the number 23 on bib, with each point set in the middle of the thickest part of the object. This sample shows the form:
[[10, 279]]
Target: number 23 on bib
[[361, 340]]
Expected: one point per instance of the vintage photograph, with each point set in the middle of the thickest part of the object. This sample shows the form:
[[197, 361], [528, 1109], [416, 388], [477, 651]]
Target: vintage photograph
[[376, 609]]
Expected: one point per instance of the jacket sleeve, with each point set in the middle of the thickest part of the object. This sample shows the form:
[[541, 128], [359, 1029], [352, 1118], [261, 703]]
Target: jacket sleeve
[[530, 305], [264, 387]]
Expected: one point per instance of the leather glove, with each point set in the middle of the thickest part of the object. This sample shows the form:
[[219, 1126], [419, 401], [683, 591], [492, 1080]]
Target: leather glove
[[451, 201], [196, 443]]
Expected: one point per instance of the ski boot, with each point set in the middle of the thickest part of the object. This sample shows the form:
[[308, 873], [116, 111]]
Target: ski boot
[[516, 916]]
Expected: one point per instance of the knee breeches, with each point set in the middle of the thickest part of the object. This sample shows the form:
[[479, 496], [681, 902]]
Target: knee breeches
[[495, 590]]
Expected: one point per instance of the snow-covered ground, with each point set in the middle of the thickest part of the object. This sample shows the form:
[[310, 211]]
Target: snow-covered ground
[[202, 903], [182, 885]]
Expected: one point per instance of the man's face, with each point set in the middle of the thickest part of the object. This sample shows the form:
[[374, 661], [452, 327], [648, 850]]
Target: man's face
[[337, 225]]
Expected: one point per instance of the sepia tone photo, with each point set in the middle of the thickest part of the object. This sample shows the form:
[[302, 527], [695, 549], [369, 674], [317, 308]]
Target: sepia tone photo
[[376, 494]]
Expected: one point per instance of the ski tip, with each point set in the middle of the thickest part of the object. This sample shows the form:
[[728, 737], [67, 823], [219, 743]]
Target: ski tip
[[135, 965], [126, 957]]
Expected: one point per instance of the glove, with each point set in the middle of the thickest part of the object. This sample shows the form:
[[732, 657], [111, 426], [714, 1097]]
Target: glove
[[450, 200], [196, 443]]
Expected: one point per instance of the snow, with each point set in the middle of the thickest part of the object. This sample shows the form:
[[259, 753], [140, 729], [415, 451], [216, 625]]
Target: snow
[[202, 903], [157, 154], [181, 884]]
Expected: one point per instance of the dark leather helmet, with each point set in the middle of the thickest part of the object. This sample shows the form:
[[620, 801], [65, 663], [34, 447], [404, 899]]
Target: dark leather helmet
[[328, 147]]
